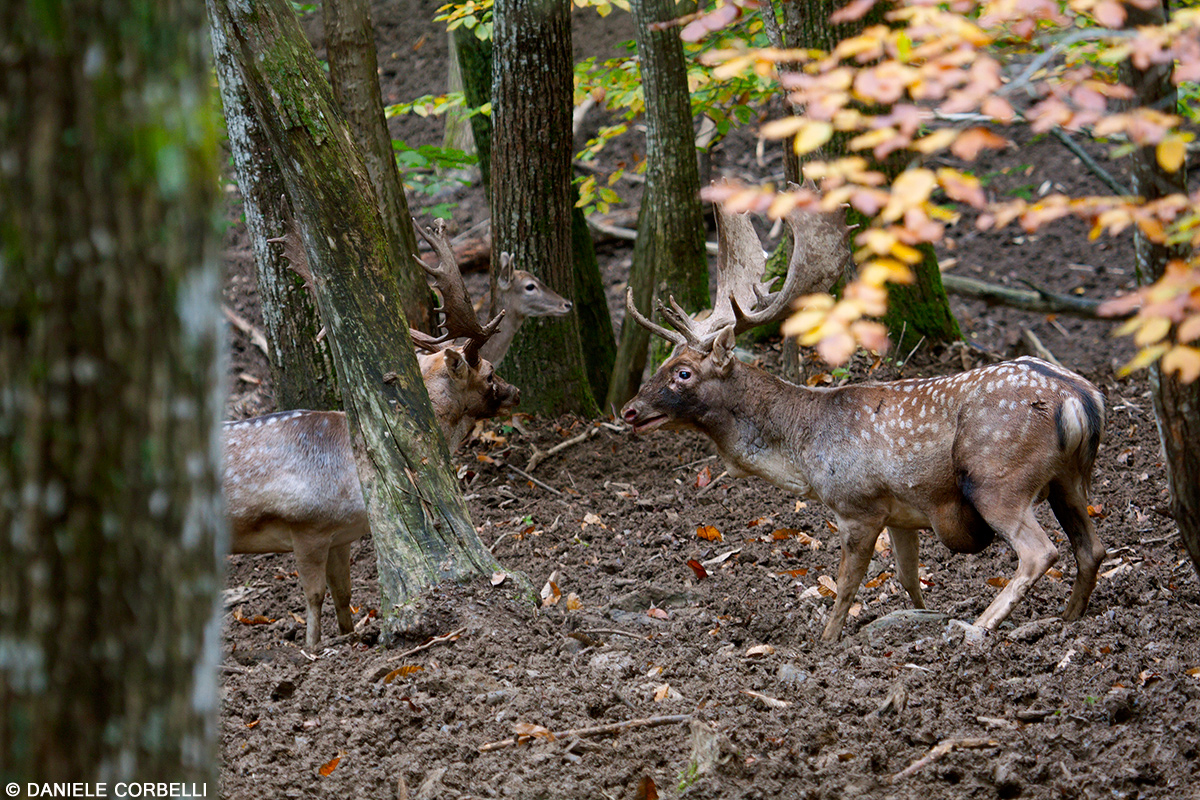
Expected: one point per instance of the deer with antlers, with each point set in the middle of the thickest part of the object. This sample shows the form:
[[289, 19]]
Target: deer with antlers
[[290, 480], [967, 456]]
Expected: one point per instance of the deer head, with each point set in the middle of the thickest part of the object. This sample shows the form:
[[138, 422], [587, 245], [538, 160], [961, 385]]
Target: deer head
[[519, 294]]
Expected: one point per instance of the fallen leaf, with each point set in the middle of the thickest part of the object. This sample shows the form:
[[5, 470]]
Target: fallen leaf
[[657, 613], [1096, 510], [801, 505], [757, 521], [712, 562], [998, 582], [827, 586], [328, 769], [1054, 574], [257, 619], [1146, 677], [665, 692], [401, 672], [252, 724], [646, 789], [883, 542], [877, 580], [1194, 672], [499, 578], [698, 568], [528, 729], [551, 594], [760, 650], [769, 702], [592, 519], [573, 602], [794, 573], [703, 478], [800, 536], [855, 610], [709, 533]]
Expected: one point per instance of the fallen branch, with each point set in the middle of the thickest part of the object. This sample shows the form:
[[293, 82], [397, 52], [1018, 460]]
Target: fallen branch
[[541, 455], [940, 749], [1038, 300], [628, 234], [526, 475], [446, 637], [256, 336], [598, 730], [1040, 350]]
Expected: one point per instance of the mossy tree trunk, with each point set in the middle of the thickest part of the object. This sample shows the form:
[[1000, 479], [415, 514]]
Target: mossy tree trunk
[[421, 528], [354, 72], [669, 256], [302, 372], [1176, 404], [916, 311], [531, 194], [110, 335]]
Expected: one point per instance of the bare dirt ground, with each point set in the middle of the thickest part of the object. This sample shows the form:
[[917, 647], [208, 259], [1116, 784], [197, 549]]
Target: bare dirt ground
[[1108, 706]]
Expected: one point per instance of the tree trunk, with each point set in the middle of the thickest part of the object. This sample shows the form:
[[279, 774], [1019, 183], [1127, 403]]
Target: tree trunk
[[419, 521], [669, 257], [109, 343], [917, 310], [475, 67], [1176, 404], [354, 72], [301, 364], [531, 208]]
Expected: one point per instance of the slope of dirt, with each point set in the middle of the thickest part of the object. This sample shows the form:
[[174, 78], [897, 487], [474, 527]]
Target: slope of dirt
[[1108, 706]]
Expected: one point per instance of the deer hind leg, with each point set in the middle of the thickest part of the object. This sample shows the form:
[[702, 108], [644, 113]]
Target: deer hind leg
[[1070, 508], [1035, 554], [858, 545], [311, 560], [337, 572], [905, 548]]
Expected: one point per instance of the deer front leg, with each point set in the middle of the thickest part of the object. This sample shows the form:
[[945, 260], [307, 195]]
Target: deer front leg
[[858, 545], [337, 572], [1035, 554], [905, 548]]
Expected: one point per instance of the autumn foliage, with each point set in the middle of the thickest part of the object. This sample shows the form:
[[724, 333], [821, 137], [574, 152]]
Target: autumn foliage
[[940, 77]]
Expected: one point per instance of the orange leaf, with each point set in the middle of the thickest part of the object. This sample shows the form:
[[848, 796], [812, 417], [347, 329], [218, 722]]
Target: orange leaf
[[573, 602], [698, 568], [401, 672], [795, 573], [703, 478], [328, 769], [826, 586], [646, 789], [529, 729], [877, 580], [657, 613], [1095, 511], [970, 142], [998, 582], [252, 724], [709, 534]]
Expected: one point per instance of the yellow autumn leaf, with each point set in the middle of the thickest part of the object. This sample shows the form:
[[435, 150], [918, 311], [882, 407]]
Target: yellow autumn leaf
[[1171, 153], [1184, 360], [1153, 330], [815, 134], [1189, 329], [779, 128], [938, 140], [910, 189], [1144, 358]]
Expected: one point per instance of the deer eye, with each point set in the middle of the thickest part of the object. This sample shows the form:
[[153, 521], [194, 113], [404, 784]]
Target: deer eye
[[529, 287], [684, 374]]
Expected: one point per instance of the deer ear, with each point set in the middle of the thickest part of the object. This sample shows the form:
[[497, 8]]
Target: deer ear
[[722, 350], [456, 365], [504, 276]]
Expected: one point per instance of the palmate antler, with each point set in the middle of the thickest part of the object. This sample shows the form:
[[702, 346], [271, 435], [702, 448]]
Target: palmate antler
[[743, 300], [458, 315]]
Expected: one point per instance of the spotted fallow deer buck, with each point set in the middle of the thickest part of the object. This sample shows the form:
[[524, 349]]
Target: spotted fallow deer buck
[[967, 456], [290, 479]]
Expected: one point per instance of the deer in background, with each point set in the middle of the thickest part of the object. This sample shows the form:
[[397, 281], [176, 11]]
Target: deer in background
[[967, 456], [290, 479], [519, 294]]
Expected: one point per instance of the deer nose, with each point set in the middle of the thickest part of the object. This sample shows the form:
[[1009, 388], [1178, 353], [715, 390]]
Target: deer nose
[[630, 415], [568, 305]]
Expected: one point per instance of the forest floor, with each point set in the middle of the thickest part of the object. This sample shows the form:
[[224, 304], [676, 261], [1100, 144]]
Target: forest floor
[[902, 707]]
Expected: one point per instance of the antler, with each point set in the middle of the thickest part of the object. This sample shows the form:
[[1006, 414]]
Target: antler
[[458, 314], [743, 300]]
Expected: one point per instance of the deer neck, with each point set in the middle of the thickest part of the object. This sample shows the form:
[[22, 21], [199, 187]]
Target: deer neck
[[495, 348], [764, 428]]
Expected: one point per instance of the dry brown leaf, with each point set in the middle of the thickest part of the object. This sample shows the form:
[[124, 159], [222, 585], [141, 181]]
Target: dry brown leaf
[[709, 533], [769, 702], [794, 573], [760, 650], [252, 724], [328, 768], [855, 610], [877, 580], [698, 568], [551, 594], [257, 619], [499, 578], [827, 586], [592, 519], [703, 478], [665, 692], [573, 602], [1194, 672], [527, 729], [1054, 574], [657, 613], [998, 582], [401, 672], [646, 789], [1096, 510], [883, 542]]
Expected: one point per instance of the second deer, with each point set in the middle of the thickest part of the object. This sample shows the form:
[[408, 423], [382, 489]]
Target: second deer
[[967, 456]]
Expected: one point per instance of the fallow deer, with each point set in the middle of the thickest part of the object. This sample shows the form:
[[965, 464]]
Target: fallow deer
[[290, 480], [967, 456]]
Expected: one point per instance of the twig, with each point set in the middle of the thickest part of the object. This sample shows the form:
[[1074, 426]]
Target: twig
[[541, 455], [1038, 300], [940, 749], [256, 336], [526, 475], [1089, 162], [599, 730], [610, 631], [446, 637], [499, 539], [1040, 350], [232, 670]]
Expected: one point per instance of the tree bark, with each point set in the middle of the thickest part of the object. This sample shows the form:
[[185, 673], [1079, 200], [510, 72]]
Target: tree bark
[[669, 257], [109, 368], [1176, 404], [302, 370], [531, 208], [354, 72], [421, 528]]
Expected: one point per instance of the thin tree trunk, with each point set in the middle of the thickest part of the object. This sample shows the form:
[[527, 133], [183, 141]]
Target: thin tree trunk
[[475, 67], [421, 528], [531, 207], [302, 370], [354, 72], [669, 257], [109, 368], [1176, 404]]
